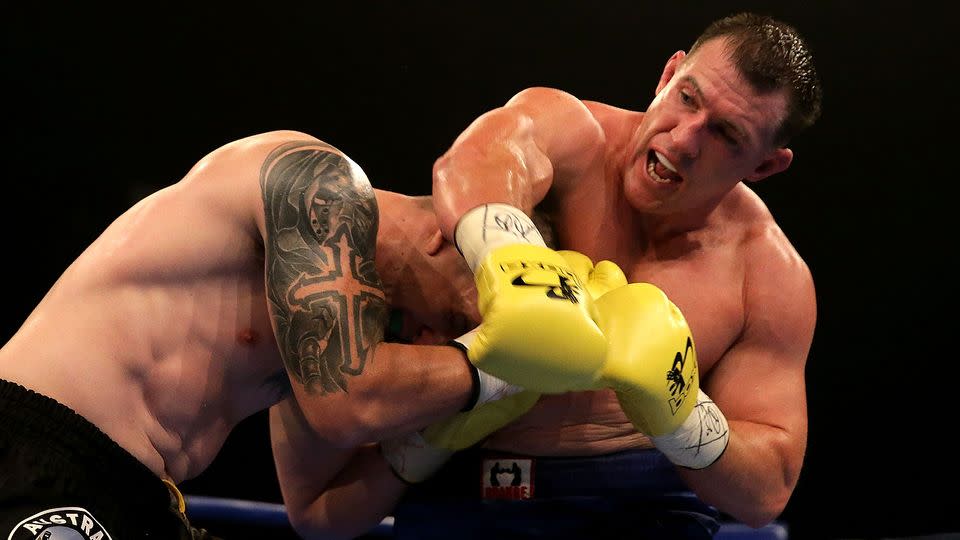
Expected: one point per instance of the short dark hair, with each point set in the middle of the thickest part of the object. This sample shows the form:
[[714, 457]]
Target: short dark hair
[[772, 56]]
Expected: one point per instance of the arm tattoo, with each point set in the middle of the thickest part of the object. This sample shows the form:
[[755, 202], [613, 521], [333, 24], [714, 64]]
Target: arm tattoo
[[324, 293]]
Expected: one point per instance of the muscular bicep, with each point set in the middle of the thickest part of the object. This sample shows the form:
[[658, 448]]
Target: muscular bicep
[[761, 378], [563, 128], [324, 295], [538, 141]]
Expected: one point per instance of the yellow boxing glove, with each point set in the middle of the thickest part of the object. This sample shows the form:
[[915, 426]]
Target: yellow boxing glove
[[415, 457], [465, 429], [468, 428], [652, 365], [538, 328], [599, 278]]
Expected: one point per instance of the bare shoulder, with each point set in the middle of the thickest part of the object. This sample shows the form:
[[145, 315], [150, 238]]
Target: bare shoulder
[[604, 110], [271, 138], [561, 107], [779, 291], [554, 97], [254, 147], [618, 124], [767, 246], [563, 127], [236, 161], [236, 176], [541, 96]]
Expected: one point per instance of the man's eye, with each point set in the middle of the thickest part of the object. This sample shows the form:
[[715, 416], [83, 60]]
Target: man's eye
[[686, 98], [726, 135], [731, 140]]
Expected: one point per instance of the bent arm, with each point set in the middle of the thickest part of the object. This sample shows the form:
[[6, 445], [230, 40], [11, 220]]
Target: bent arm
[[329, 492], [328, 309], [759, 384], [514, 154]]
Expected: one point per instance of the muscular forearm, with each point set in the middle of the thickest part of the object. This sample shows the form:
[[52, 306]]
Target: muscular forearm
[[403, 388], [356, 500], [419, 385], [754, 477]]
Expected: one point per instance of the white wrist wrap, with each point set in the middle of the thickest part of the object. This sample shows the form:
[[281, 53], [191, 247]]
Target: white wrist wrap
[[489, 226], [700, 440], [491, 388], [412, 458]]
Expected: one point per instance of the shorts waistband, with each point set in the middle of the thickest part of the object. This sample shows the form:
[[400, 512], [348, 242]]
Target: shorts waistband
[[633, 473], [483, 494]]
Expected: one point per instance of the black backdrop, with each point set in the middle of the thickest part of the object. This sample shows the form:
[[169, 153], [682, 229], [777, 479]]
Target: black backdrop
[[105, 105]]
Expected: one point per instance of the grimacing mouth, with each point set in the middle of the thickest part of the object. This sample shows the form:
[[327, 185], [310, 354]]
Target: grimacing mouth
[[666, 173]]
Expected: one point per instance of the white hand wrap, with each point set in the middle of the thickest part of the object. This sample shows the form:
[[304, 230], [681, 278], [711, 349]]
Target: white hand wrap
[[490, 388], [489, 226], [700, 440], [412, 458]]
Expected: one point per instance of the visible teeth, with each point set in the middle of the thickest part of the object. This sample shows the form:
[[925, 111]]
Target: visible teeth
[[651, 170], [665, 161]]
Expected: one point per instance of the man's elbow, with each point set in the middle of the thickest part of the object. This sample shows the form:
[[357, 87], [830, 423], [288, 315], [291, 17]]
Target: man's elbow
[[313, 527], [307, 528], [765, 511], [764, 504], [352, 425], [758, 518]]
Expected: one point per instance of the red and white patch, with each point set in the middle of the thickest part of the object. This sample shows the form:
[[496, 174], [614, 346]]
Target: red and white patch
[[508, 479]]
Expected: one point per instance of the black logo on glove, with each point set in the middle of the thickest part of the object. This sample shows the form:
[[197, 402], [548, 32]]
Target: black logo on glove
[[566, 290], [677, 386]]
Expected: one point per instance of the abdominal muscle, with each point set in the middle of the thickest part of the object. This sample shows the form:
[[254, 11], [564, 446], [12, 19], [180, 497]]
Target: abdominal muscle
[[572, 424], [164, 345], [165, 378]]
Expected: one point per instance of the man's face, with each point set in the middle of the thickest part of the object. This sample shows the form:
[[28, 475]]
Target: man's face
[[706, 130]]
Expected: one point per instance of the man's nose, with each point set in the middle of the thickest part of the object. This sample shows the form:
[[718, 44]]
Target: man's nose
[[686, 135]]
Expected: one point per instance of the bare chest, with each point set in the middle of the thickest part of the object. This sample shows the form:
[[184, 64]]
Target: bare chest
[[704, 281], [709, 297]]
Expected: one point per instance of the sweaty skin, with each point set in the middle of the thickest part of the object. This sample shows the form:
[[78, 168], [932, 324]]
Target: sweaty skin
[[704, 237], [162, 332]]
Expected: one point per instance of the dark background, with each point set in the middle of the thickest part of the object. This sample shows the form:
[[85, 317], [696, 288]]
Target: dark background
[[104, 105]]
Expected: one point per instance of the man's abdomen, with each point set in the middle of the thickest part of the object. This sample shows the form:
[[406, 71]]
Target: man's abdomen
[[572, 424]]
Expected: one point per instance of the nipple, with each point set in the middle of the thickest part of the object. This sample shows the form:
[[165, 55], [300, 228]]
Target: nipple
[[247, 336]]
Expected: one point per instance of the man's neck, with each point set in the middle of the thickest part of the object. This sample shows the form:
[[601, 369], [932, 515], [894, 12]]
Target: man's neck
[[389, 258]]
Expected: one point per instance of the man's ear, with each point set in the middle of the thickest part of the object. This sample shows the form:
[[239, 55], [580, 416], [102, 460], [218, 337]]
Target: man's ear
[[434, 243], [778, 161], [670, 70]]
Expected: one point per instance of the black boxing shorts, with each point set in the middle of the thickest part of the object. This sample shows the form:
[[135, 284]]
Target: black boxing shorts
[[61, 478]]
